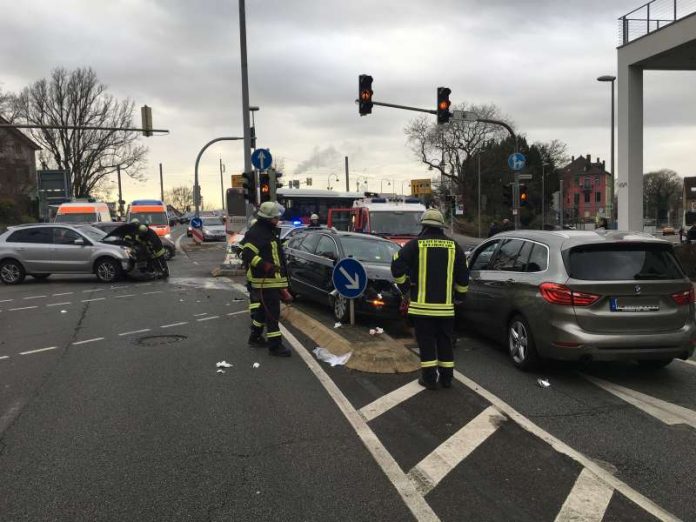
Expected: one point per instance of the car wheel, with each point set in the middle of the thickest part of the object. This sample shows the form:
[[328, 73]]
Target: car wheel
[[40, 276], [521, 345], [341, 308], [107, 270], [12, 272], [654, 364]]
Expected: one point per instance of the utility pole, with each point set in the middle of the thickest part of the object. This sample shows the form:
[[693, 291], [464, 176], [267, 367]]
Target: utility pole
[[222, 185], [120, 192], [161, 184], [543, 196], [560, 199], [245, 98], [478, 157], [347, 177]]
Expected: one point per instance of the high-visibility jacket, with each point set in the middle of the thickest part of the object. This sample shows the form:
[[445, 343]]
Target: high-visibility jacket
[[433, 268], [262, 247]]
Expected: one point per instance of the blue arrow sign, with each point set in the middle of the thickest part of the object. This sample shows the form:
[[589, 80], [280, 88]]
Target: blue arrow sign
[[349, 278], [261, 159], [517, 161], [196, 222]]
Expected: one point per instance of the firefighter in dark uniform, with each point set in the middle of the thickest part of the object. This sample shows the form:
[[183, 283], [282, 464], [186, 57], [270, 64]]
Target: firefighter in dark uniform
[[314, 221], [430, 270], [262, 253]]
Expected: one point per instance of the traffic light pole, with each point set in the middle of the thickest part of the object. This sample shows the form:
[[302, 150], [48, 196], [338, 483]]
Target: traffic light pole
[[245, 99], [196, 186], [404, 107]]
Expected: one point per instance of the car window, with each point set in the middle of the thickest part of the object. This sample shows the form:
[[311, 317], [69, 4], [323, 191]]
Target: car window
[[32, 235], [483, 256], [327, 248], [521, 261], [64, 236], [309, 243], [369, 250], [622, 262], [507, 255], [538, 259], [211, 222]]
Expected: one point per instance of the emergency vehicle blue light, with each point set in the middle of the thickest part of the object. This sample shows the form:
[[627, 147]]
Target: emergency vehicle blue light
[[297, 223]]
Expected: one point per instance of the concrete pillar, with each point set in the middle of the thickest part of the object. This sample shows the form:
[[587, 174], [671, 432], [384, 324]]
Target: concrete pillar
[[630, 142]]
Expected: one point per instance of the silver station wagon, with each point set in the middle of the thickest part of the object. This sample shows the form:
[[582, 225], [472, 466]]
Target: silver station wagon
[[575, 295]]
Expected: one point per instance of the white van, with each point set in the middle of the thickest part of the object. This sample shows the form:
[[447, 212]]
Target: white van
[[83, 212]]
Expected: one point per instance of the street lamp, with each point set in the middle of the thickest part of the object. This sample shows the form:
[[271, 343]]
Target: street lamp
[[402, 186], [381, 184], [610, 197], [364, 182], [328, 183]]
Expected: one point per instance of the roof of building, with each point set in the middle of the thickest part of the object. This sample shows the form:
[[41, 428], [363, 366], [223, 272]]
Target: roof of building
[[583, 165], [19, 134]]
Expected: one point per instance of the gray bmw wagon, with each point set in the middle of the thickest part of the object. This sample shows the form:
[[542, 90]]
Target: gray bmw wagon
[[574, 295]]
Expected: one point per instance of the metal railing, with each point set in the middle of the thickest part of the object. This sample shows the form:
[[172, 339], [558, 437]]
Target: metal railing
[[652, 16]]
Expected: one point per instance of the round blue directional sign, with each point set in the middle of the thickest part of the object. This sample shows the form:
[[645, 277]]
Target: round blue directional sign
[[517, 161], [261, 159], [349, 278], [196, 222]]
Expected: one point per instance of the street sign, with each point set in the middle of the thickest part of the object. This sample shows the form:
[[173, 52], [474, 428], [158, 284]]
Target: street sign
[[237, 181], [525, 177], [517, 161], [464, 116], [349, 278], [261, 159], [196, 222]]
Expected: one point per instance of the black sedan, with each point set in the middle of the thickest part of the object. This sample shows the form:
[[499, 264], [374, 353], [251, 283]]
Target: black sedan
[[312, 255]]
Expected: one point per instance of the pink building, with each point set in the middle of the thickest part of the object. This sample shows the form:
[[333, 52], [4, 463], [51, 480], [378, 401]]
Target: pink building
[[586, 186]]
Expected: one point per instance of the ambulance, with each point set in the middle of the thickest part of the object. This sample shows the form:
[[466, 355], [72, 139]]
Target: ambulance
[[82, 212], [151, 212]]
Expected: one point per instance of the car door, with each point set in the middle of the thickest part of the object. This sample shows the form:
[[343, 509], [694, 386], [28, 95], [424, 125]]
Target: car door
[[300, 264], [478, 266], [33, 247], [325, 257], [69, 256]]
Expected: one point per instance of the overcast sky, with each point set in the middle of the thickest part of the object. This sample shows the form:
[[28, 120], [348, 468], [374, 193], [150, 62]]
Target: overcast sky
[[537, 60]]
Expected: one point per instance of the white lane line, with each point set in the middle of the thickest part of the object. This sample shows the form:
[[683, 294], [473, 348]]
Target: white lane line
[[88, 341], [122, 296], [388, 401], [195, 262], [430, 471], [587, 501], [413, 499], [561, 447], [64, 293], [118, 287], [4, 357], [6, 300], [95, 299], [39, 350], [144, 284], [134, 332], [199, 315], [154, 292], [23, 308], [59, 304], [688, 361], [208, 318], [35, 297], [93, 290], [237, 313], [663, 411], [174, 324]]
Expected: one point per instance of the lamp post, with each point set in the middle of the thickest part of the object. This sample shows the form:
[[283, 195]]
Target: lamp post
[[381, 184], [610, 197], [363, 180], [328, 183], [402, 186]]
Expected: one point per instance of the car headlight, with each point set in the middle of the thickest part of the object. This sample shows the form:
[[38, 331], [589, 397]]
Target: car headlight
[[128, 251], [168, 236]]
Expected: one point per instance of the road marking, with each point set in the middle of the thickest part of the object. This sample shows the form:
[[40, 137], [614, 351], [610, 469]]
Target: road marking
[[93, 290], [9, 416], [430, 471], [155, 292], [36, 297], [663, 411], [388, 401], [95, 299], [89, 341], [195, 262], [208, 318], [64, 293], [118, 287], [174, 324], [198, 315], [134, 332], [59, 304], [24, 308], [587, 501], [39, 350], [4, 357], [6, 300], [237, 313], [561, 447], [413, 499], [122, 296], [144, 284]]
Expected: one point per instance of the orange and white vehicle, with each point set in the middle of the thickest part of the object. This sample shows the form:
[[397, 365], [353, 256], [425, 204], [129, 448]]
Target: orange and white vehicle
[[82, 212], [395, 219], [151, 212]]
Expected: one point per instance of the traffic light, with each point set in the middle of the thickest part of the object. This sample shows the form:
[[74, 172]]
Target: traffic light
[[523, 195], [443, 104], [507, 196], [249, 187], [265, 188], [365, 94], [146, 120], [275, 183]]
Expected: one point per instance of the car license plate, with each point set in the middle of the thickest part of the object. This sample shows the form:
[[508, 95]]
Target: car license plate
[[616, 304]]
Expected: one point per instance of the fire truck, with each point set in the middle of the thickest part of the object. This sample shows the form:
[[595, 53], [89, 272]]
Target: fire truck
[[394, 219]]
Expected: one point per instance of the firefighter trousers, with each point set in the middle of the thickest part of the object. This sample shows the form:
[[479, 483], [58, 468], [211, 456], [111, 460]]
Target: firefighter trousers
[[435, 337], [266, 314]]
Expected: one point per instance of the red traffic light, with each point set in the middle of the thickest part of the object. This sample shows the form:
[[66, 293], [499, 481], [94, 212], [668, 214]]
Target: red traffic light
[[365, 94], [443, 104]]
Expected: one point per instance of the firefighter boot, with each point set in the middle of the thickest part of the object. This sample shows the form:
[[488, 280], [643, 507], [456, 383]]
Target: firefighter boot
[[428, 378], [255, 338], [277, 348]]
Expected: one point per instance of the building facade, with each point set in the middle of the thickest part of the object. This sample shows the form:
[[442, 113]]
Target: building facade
[[586, 190], [17, 171]]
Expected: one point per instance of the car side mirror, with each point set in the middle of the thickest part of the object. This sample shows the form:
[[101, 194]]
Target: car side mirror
[[80, 242]]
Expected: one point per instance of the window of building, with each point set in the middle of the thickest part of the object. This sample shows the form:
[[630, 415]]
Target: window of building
[[587, 197], [598, 197], [577, 199]]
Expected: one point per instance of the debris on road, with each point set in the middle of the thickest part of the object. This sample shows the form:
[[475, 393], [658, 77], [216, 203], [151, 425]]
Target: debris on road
[[376, 331], [543, 383], [223, 364], [221, 371], [337, 325], [324, 355], [256, 365], [63, 311]]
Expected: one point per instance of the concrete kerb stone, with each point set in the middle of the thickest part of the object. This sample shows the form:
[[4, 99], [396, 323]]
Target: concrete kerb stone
[[380, 354]]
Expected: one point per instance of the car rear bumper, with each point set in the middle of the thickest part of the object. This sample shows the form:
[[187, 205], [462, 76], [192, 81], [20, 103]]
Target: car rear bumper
[[569, 342]]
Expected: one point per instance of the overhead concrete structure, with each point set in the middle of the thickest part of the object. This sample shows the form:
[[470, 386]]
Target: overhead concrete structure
[[660, 35]]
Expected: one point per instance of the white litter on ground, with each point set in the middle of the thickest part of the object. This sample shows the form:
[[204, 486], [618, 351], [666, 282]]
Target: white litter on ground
[[376, 331], [334, 360], [256, 365], [543, 383], [337, 325], [221, 371], [63, 311], [223, 364]]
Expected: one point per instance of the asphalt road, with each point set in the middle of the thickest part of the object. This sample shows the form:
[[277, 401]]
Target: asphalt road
[[111, 408]]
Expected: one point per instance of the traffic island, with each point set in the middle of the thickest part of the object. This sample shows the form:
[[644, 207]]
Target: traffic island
[[370, 354]]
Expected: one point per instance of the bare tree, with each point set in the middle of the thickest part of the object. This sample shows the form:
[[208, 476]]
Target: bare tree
[[554, 152], [662, 194], [180, 197], [449, 148], [77, 98]]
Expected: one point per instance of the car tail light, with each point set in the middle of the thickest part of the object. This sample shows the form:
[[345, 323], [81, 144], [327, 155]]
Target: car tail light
[[376, 302], [684, 298], [562, 295]]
